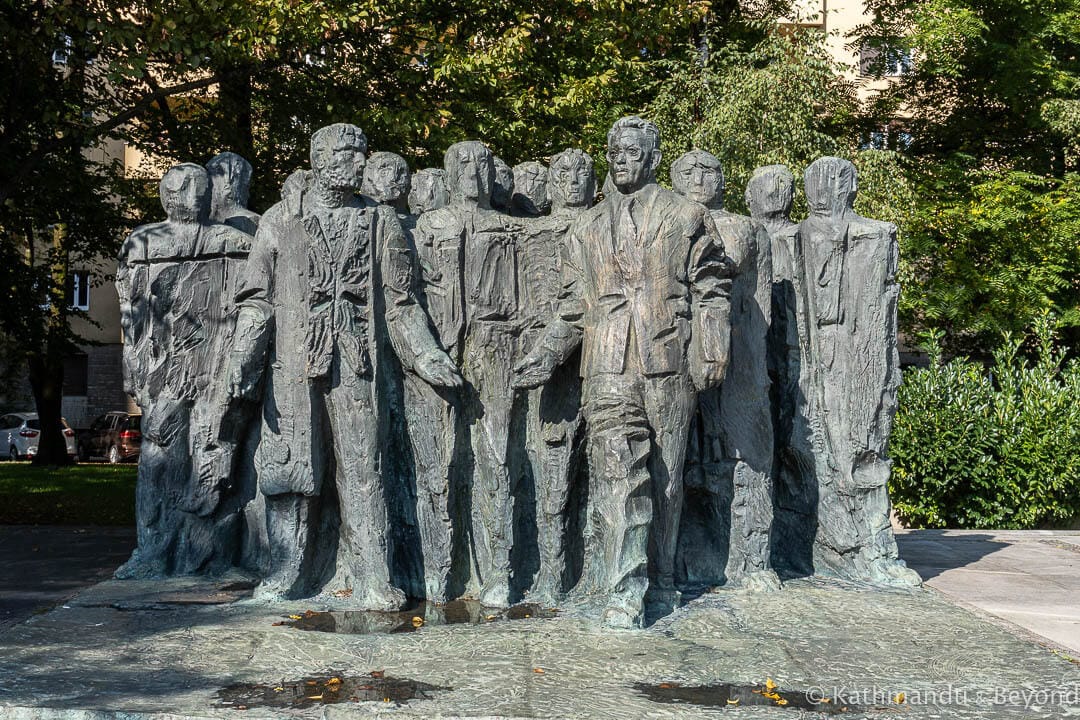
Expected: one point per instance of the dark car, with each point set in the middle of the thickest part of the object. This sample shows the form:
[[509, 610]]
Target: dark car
[[115, 436]]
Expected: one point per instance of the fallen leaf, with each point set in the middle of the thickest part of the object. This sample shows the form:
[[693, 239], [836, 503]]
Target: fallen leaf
[[241, 707], [899, 699], [538, 671], [386, 699], [314, 697], [733, 701], [294, 617], [417, 621], [278, 624], [279, 689], [334, 681], [343, 593], [312, 682], [378, 673], [489, 618], [769, 684], [781, 702]]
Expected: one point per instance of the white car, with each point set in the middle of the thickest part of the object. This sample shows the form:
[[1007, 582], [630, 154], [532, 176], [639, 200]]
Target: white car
[[19, 433]]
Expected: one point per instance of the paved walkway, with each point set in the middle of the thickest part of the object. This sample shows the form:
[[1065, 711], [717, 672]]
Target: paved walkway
[[43, 566], [1030, 579]]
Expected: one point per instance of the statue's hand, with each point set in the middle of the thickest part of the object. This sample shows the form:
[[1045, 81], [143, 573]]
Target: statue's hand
[[435, 368], [239, 387], [533, 371]]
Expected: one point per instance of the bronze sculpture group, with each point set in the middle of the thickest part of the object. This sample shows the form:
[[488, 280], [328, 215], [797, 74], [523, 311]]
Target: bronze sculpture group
[[475, 382]]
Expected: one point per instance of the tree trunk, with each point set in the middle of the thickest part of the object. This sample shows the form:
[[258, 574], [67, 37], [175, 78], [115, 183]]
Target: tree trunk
[[46, 363], [47, 382]]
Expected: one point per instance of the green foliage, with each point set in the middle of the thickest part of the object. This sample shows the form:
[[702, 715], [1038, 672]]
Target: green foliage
[[988, 252], [529, 78], [993, 79], [782, 101], [973, 449]]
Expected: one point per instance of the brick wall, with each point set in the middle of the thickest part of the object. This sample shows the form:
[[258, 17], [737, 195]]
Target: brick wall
[[104, 386]]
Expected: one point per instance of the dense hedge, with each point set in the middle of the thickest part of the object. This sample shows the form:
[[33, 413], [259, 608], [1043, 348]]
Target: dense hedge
[[997, 447]]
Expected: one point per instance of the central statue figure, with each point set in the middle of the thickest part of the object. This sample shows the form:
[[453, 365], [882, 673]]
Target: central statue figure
[[646, 291]]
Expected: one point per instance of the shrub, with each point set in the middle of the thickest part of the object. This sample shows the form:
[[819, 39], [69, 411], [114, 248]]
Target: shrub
[[998, 447]]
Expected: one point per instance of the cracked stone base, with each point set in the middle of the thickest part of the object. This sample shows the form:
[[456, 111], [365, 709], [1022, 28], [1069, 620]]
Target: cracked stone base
[[128, 650]]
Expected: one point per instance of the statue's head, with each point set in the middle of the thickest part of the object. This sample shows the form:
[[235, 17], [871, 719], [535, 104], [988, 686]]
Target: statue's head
[[531, 188], [230, 180], [633, 153], [831, 185], [770, 192], [338, 156], [698, 176], [503, 191], [386, 177], [470, 172], [572, 181], [428, 191], [185, 193]]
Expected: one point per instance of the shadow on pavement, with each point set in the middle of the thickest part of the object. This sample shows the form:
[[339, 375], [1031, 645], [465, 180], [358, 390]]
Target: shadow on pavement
[[932, 552]]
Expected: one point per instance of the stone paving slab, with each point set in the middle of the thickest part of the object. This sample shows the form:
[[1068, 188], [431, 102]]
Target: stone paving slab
[[1030, 578], [126, 650]]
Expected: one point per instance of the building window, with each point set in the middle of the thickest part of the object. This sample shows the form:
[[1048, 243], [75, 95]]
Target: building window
[[78, 292], [887, 137], [61, 54], [880, 58], [76, 375]]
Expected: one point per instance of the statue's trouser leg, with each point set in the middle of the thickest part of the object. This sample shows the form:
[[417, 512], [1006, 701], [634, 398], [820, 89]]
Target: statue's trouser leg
[[488, 362], [838, 518], [363, 562], [288, 531], [552, 424], [163, 477], [433, 431], [151, 514], [669, 404], [620, 494]]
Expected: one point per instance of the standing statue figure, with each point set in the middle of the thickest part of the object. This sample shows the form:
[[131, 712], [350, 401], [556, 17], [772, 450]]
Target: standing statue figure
[[531, 197], [435, 416], [769, 195], [230, 182], [646, 288], [470, 253], [729, 508], [428, 191], [850, 372], [387, 181], [553, 410], [328, 294], [502, 192], [175, 282]]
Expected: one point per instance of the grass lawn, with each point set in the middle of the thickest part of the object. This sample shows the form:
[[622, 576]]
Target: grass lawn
[[83, 494]]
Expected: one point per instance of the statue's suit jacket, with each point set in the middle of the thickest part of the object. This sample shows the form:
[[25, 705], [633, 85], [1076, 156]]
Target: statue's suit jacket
[[673, 299], [308, 298]]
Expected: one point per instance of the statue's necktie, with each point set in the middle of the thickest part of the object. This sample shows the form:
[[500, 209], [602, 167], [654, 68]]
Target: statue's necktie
[[627, 246]]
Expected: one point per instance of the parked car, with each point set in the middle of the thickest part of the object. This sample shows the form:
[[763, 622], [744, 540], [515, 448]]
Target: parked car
[[19, 433], [114, 436]]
